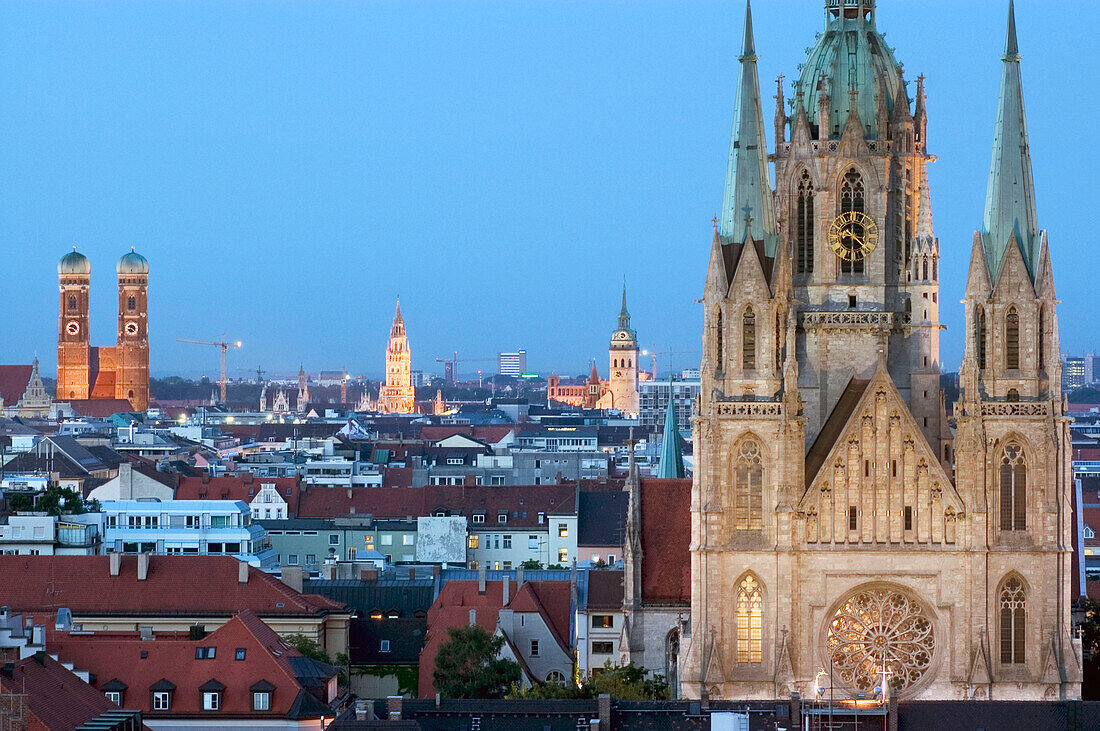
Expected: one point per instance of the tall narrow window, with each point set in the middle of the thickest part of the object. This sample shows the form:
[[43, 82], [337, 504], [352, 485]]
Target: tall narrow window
[[804, 224], [852, 199], [131, 304], [719, 346], [748, 487], [750, 621], [1013, 605], [748, 341], [1013, 492], [778, 344], [1012, 340], [979, 335], [1042, 337], [72, 302]]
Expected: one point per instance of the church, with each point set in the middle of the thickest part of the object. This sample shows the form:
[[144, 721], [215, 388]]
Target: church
[[847, 536]]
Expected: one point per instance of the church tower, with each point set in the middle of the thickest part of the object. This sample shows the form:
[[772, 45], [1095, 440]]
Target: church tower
[[74, 273], [828, 527], [132, 349], [397, 396], [623, 365]]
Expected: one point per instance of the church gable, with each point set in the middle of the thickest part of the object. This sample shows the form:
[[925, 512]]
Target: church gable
[[876, 480]]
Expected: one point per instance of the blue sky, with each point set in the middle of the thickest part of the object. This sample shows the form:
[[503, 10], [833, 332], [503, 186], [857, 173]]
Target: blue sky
[[289, 168]]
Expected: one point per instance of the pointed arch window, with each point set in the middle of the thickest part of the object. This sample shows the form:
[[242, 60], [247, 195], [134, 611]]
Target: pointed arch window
[[748, 487], [804, 224], [979, 335], [1042, 337], [1013, 476], [1012, 340], [852, 199], [1013, 606], [750, 621], [131, 304], [672, 657], [748, 340], [778, 344], [72, 303], [719, 341]]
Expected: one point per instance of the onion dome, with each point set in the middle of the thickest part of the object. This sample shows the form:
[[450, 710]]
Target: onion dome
[[74, 263], [850, 56], [133, 263]]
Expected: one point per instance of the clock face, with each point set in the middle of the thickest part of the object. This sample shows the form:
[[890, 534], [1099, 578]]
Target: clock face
[[622, 336], [72, 328], [618, 374], [853, 235], [131, 328]]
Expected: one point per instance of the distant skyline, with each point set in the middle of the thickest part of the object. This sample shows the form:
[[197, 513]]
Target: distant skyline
[[290, 168]]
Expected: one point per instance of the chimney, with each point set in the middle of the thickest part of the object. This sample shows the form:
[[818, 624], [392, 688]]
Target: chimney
[[393, 706], [504, 599], [603, 704], [519, 576], [294, 577], [143, 566], [116, 563], [368, 574], [246, 478], [481, 580], [242, 572], [349, 493], [473, 617]]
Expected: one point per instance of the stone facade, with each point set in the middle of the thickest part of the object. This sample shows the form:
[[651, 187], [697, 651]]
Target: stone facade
[[837, 524]]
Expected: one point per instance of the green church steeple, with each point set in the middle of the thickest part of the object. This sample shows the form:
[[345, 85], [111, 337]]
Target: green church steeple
[[671, 463], [1010, 195], [748, 203]]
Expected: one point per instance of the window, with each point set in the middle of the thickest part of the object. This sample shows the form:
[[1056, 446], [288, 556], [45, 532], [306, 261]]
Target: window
[[908, 517], [473, 541], [507, 538], [261, 700], [205, 653], [72, 302], [502, 518], [219, 521], [563, 555], [162, 700], [804, 224], [292, 559], [532, 542], [719, 345], [239, 654], [1012, 340], [853, 518], [1013, 605], [334, 539], [478, 518], [979, 336], [1089, 532], [603, 648], [387, 539], [131, 304], [852, 301], [605, 621], [851, 199], [407, 539], [563, 530], [748, 487], [1042, 337], [542, 518], [748, 340], [114, 696], [384, 646], [311, 559], [750, 621], [534, 648], [555, 676], [1013, 488], [211, 700]]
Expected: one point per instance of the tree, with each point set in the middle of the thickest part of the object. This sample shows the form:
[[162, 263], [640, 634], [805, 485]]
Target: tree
[[55, 501], [468, 665], [1090, 644], [531, 564], [550, 690], [627, 682], [312, 650]]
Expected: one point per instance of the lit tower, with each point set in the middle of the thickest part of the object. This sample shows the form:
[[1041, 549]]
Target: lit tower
[[397, 396], [623, 360], [132, 351], [74, 273]]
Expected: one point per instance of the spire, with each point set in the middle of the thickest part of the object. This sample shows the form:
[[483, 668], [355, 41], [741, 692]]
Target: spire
[[1010, 195], [397, 330], [748, 193], [671, 464], [624, 316]]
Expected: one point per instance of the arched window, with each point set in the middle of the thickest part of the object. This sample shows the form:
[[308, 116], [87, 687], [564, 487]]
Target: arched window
[[672, 658], [555, 676], [804, 224], [1013, 395], [1042, 337], [1013, 603], [748, 340], [1012, 340], [935, 269], [719, 345], [1013, 476], [750, 621], [72, 302], [748, 487], [131, 304], [852, 199], [925, 277], [979, 335]]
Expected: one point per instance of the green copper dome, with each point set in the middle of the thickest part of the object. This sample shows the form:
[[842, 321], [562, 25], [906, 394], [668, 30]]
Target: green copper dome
[[132, 263], [851, 55], [74, 263]]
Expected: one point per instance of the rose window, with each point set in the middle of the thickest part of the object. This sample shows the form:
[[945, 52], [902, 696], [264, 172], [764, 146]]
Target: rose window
[[876, 630]]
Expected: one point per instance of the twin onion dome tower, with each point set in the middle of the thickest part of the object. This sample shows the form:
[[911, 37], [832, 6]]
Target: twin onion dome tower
[[844, 531], [88, 372]]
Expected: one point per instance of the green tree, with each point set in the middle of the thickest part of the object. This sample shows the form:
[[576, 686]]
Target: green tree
[[1090, 644], [468, 665], [628, 683], [531, 564], [20, 501], [55, 500], [311, 649], [550, 690]]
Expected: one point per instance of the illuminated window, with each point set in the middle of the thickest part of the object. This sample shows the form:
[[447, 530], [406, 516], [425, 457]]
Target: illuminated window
[[563, 555], [473, 541], [750, 621]]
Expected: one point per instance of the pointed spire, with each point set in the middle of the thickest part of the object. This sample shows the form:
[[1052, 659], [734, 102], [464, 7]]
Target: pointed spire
[[624, 316], [748, 191], [1010, 195], [397, 316], [671, 464]]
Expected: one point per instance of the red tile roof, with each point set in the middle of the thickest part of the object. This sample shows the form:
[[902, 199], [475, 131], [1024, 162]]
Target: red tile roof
[[605, 589], [666, 534], [488, 433], [237, 488], [100, 408], [56, 698], [551, 599], [179, 585], [397, 477], [141, 663], [1091, 518], [13, 382], [452, 609], [382, 502]]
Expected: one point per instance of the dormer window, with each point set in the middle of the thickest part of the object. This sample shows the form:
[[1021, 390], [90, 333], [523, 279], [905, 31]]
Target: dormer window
[[211, 695], [478, 518], [160, 695], [502, 518], [261, 695]]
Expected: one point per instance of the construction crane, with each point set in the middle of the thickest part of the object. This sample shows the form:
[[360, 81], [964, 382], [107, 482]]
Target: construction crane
[[224, 347], [669, 353], [450, 366]]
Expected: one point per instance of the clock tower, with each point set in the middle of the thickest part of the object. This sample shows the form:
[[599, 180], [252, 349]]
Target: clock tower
[[623, 365]]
